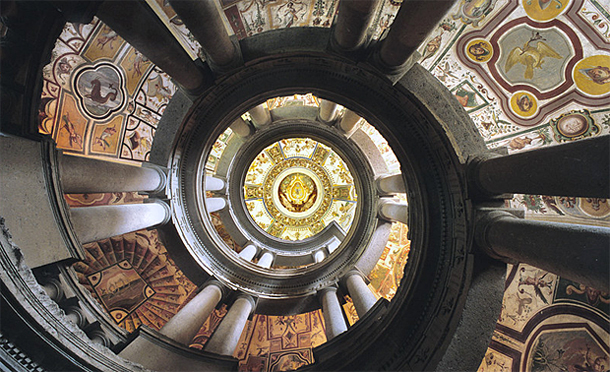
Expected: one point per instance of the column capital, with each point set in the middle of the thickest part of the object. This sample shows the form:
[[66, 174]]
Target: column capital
[[353, 272], [331, 288]]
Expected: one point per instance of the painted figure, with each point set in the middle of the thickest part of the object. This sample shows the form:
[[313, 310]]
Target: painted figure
[[96, 92], [479, 51], [73, 137], [524, 103], [530, 56], [599, 74], [107, 36], [102, 140], [538, 283]]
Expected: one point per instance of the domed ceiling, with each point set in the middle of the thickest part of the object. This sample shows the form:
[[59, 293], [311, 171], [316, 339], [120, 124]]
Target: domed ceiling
[[530, 73]]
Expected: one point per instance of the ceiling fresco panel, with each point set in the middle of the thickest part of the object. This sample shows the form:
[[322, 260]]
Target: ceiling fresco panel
[[521, 66], [101, 97]]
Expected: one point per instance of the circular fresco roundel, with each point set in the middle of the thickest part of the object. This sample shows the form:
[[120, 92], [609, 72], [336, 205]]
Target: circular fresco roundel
[[296, 187]]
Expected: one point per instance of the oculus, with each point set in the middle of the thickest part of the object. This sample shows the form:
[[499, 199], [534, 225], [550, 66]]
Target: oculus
[[297, 187]]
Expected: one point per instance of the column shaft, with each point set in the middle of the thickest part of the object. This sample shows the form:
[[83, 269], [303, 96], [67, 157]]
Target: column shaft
[[328, 111], [266, 260], [392, 210], [84, 175], [414, 21], [577, 252], [260, 115], [348, 121], [214, 184], [580, 168], [204, 21], [360, 293], [248, 252], [319, 256], [332, 312], [215, 204], [353, 22], [137, 23], [95, 223], [225, 338], [241, 128], [392, 184], [183, 326]]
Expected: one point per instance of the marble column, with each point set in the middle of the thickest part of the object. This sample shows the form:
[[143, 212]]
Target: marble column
[[351, 30], [214, 184], [348, 121], [100, 222], [183, 326], [225, 338], [138, 24], [391, 184], [215, 204], [414, 21], [266, 260], [260, 115], [204, 21], [332, 312], [393, 210], [241, 128], [248, 252], [577, 252], [84, 175], [360, 293], [319, 256], [328, 111], [580, 168]]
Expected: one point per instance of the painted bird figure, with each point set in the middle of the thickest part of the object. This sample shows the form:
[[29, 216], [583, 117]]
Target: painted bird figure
[[530, 56]]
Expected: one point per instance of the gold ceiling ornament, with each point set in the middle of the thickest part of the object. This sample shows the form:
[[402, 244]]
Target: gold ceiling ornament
[[295, 187], [297, 192]]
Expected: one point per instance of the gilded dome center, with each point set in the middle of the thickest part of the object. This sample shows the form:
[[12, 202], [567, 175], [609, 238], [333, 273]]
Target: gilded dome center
[[296, 187]]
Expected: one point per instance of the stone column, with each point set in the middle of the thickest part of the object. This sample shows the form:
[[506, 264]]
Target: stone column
[[95, 223], [248, 252], [348, 121], [578, 252], [580, 168], [360, 293], [328, 111], [215, 204], [183, 326], [353, 22], [393, 210], [214, 184], [414, 21], [333, 244], [84, 175], [53, 288], [241, 128], [138, 24], [319, 256], [391, 184], [260, 115], [225, 338], [266, 260], [332, 312], [204, 21]]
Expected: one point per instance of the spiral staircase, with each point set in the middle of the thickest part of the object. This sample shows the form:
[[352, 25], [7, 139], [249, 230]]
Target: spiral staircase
[[264, 244]]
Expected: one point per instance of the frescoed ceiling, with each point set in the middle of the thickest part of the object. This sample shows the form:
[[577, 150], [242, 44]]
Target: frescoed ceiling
[[101, 97], [526, 71], [530, 73]]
